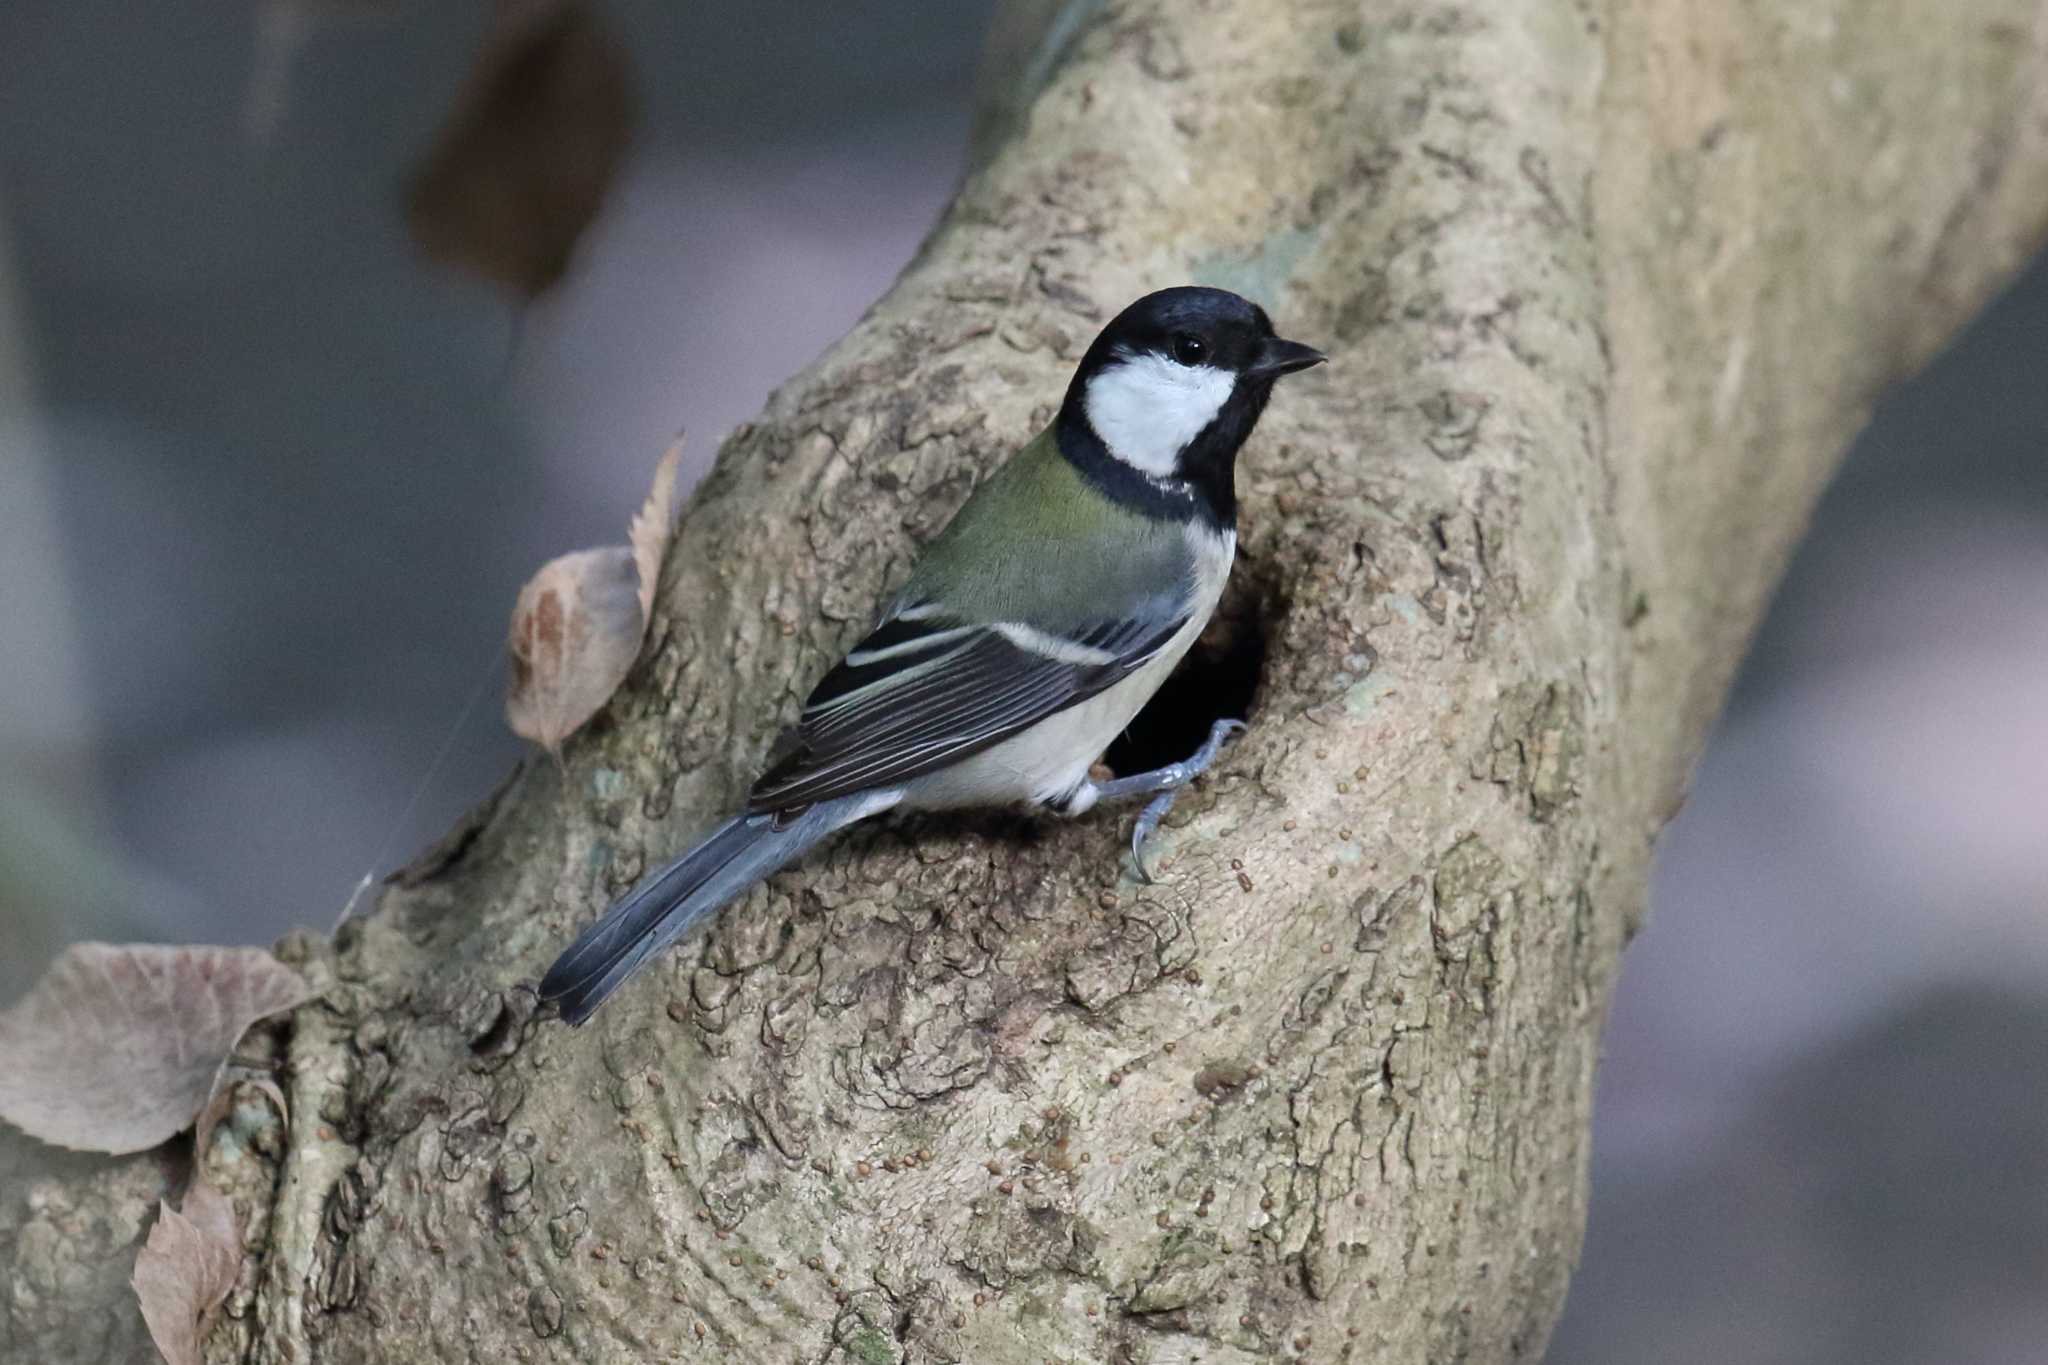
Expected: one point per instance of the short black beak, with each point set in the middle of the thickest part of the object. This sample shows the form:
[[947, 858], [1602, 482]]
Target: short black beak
[[1277, 357]]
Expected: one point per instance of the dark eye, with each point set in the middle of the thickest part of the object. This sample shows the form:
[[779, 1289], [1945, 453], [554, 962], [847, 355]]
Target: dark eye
[[1189, 349]]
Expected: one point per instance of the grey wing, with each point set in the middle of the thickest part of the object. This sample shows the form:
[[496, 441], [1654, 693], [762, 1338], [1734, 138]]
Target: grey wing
[[922, 691]]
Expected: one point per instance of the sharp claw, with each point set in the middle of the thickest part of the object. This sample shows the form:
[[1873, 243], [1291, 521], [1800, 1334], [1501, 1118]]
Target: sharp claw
[[1156, 809], [1148, 821], [1222, 732]]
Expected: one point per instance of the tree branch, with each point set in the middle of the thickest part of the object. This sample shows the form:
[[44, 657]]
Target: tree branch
[[1607, 290]]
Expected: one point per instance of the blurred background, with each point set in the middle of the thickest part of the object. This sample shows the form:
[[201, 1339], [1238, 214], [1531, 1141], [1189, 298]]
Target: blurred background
[[269, 483]]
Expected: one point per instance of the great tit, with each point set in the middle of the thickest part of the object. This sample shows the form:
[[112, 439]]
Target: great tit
[[1029, 633]]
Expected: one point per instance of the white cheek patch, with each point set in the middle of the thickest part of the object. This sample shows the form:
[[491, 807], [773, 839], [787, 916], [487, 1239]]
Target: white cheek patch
[[1148, 408]]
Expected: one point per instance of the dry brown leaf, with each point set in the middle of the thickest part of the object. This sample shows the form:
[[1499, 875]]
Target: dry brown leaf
[[119, 1045], [522, 165], [575, 633], [578, 624], [653, 526], [186, 1269]]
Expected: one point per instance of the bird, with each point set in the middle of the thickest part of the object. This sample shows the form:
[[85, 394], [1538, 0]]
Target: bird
[[1028, 634]]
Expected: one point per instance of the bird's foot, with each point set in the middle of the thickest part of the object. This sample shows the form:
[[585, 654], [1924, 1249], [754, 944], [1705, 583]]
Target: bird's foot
[[1164, 784]]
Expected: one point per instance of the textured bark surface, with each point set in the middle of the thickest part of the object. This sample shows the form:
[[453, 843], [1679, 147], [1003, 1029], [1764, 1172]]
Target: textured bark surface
[[1607, 290]]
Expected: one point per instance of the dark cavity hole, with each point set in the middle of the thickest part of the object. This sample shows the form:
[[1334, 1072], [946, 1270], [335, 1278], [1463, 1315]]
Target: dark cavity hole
[[1219, 678]]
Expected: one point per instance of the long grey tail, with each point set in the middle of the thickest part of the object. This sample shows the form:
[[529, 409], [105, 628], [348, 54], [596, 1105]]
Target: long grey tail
[[669, 903]]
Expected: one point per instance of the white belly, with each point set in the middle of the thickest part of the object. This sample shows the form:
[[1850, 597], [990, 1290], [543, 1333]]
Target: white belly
[[1052, 758]]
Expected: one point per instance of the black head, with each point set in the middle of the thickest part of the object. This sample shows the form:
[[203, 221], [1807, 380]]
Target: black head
[[1168, 393]]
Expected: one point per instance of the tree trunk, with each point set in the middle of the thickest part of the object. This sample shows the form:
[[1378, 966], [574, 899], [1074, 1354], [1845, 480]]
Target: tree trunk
[[1606, 290]]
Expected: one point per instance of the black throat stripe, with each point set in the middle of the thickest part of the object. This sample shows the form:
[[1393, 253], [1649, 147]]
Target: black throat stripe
[[1207, 492]]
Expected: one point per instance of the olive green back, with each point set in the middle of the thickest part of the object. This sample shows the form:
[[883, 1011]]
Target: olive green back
[[1037, 544]]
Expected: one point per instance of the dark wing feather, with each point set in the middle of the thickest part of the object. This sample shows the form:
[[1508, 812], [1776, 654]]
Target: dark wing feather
[[917, 695]]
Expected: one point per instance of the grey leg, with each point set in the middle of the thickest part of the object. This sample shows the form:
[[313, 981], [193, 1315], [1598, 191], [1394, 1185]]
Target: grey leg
[[1163, 784]]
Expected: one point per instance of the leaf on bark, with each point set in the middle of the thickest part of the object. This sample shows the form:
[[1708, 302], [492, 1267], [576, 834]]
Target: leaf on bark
[[654, 525], [575, 634], [578, 624], [536, 137], [119, 1045], [185, 1270]]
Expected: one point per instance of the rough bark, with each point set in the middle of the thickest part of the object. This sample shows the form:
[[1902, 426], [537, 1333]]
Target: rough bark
[[1607, 288]]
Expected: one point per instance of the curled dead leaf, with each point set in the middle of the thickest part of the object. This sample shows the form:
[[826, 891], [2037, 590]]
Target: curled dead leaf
[[654, 525], [184, 1271], [119, 1045], [575, 634], [536, 137], [579, 622]]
